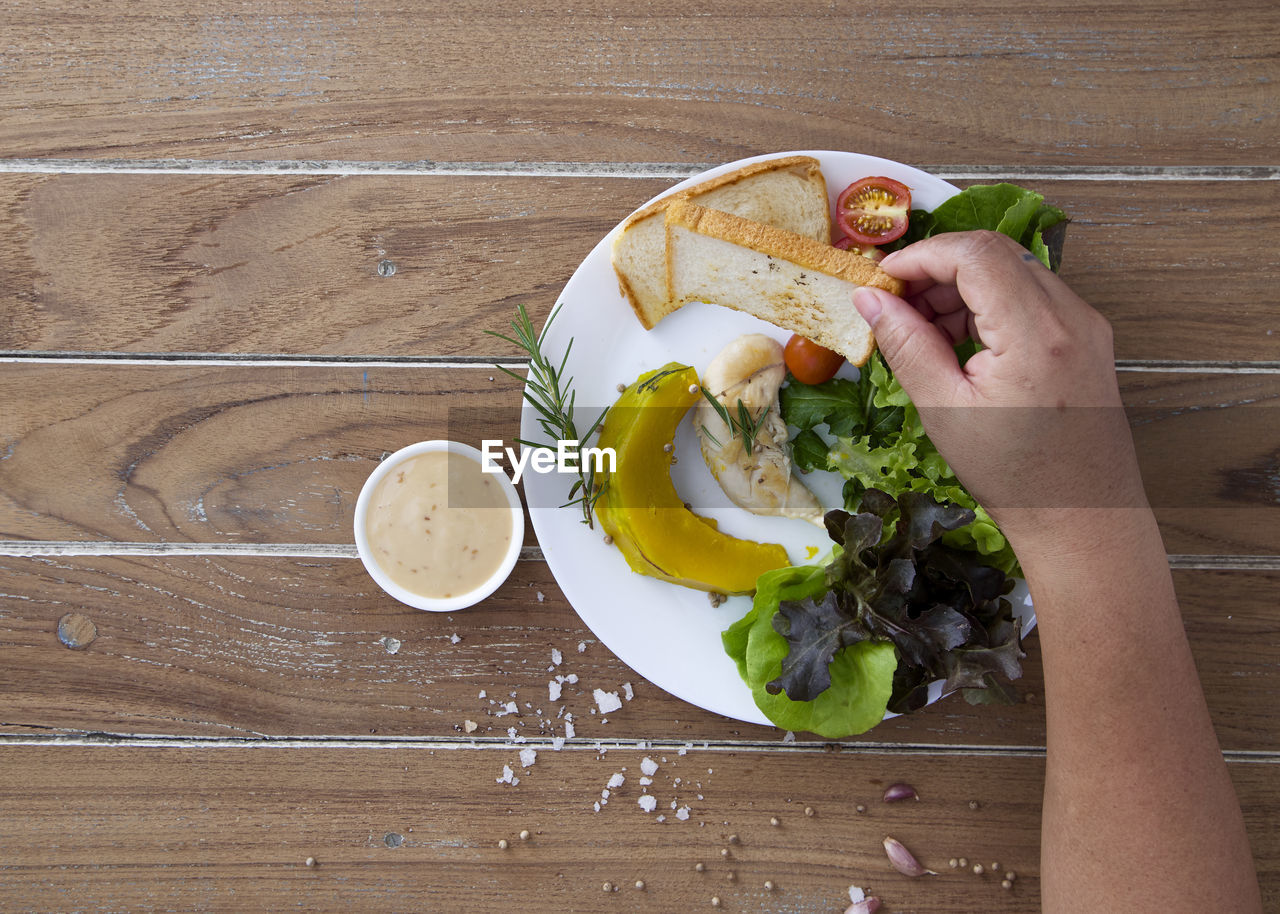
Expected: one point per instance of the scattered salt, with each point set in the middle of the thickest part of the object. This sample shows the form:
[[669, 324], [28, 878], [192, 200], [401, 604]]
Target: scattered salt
[[454, 639], [568, 730], [571, 678], [604, 794], [553, 690], [606, 701], [528, 757], [856, 894], [582, 647], [649, 766], [648, 802], [627, 691], [510, 708], [483, 694], [596, 805], [556, 657], [682, 813], [617, 780], [541, 596], [470, 726], [508, 776], [789, 738], [557, 743]]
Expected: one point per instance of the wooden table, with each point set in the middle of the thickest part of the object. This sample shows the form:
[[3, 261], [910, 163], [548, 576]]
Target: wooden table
[[246, 250]]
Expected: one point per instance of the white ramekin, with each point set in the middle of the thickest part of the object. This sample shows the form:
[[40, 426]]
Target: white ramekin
[[434, 604]]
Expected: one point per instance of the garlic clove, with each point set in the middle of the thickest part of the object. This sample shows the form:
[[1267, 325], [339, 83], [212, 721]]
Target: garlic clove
[[902, 859], [868, 905], [897, 792]]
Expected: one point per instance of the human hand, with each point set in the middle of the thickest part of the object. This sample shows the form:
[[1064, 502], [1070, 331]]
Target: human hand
[[1031, 424]]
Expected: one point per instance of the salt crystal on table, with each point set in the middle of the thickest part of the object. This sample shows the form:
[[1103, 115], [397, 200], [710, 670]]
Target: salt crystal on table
[[541, 596], [627, 691], [556, 657], [617, 780], [582, 647], [553, 690], [606, 701], [645, 782], [510, 707], [648, 803], [571, 678], [557, 743], [682, 813], [528, 757], [454, 639], [483, 694], [568, 730], [789, 738], [649, 766], [508, 776]]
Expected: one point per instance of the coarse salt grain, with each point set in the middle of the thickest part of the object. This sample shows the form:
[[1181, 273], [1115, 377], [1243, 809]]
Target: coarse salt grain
[[682, 813], [648, 802], [606, 701], [557, 743], [454, 639], [582, 647], [541, 596], [470, 726], [556, 657], [553, 691], [649, 766], [646, 781], [528, 757], [627, 691], [617, 780], [508, 776], [568, 730], [789, 737]]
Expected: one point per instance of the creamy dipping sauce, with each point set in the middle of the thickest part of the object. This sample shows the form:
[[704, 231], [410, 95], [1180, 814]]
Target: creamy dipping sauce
[[438, 525]]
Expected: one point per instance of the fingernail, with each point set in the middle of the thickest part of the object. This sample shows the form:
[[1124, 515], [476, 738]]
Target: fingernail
[[867, 301]]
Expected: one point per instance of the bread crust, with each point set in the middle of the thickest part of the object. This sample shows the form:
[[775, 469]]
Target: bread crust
[[812, 255], [809, 168]]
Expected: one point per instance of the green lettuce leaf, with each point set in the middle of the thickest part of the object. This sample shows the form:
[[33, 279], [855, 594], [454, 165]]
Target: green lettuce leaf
[[1015, 211], [861, 676]]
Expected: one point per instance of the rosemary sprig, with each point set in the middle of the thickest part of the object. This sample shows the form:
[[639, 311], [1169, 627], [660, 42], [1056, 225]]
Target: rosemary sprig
[[550, 393], [743, 425]]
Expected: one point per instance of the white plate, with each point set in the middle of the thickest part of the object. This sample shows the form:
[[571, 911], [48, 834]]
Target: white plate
[[668, 634]]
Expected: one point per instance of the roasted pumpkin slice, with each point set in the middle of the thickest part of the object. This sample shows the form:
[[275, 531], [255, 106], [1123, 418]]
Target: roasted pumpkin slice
[[640, 508]]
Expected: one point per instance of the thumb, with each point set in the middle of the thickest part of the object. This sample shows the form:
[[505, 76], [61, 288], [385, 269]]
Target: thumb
[[920, 355]]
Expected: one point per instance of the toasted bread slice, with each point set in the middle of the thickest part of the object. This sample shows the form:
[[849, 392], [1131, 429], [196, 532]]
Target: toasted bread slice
[[782, 277], [787, 192]]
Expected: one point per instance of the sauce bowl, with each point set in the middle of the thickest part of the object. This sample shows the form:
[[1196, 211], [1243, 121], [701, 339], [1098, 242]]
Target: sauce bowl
[[380, 575]]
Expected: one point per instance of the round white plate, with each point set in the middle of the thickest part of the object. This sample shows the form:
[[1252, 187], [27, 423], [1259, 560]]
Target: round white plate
[[669, 634]]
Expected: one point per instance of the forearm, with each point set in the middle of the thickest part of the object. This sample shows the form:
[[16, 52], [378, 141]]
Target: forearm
[[1139, 811]]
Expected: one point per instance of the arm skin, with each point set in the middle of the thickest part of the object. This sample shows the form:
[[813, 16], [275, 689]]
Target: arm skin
[[1139, 811]]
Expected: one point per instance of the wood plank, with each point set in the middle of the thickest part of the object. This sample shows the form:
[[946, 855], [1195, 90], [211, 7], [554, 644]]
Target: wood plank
[[1002, 82], [191, 263], [254, 454], [231, 829], [294, 647]]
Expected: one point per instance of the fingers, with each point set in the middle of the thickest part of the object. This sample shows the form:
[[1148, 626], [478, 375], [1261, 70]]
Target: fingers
[[919, 352], [983, 272]]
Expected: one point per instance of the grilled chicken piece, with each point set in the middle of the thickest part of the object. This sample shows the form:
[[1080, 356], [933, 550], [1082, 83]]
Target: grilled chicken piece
[[750, 370]]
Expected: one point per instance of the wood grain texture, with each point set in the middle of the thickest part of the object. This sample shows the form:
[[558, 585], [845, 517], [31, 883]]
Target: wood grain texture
[[294, 647], [397, 829], [192, 263], [937, 82], [182, 453]]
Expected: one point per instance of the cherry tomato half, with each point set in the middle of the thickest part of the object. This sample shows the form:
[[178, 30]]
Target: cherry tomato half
[[810, 363], [874, 210], [869, 251]]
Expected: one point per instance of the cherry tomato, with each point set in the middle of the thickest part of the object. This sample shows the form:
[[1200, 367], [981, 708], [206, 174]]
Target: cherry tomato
[[874, 210], [810, 363], [869, 251]]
